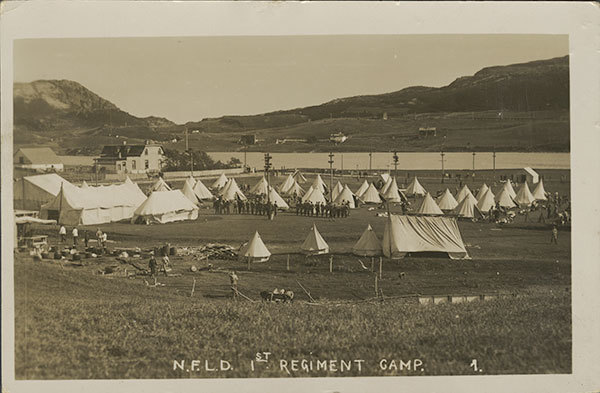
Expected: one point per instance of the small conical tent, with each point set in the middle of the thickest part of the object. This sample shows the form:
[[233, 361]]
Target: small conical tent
[[524, 196], [201, 191], [386, 185], [467, 208], [308, 192], [315, 197], [404, 234], [345, 196], [189, 193], [220, 182], [299, 177], [336, 190], [371, 195], [392, 194], [260, 188], [539, 193], [415, 188], [85, 185], [509, 189], [446, 201], [429, 207], [231, 191], [484, 188], [464, 191], [504, 199], [275, 198], [314, 243], [287, 184], [160, 185], [165, 206], [319, 184], [255, 250], [363, 187], [385, 177], [487, 201], [191, 181], [295, 190], [368, 245]]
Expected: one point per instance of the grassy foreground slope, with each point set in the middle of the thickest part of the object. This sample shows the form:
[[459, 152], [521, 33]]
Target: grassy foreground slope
[[70, 325]]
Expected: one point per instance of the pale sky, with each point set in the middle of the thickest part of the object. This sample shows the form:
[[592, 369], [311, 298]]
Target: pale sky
[[190, 78]]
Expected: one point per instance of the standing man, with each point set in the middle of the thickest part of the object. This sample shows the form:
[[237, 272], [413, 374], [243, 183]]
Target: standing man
[[75, 236], [99, 237], [152, 266], [554, 238], [233, 280], [86, 238], [62, 232]]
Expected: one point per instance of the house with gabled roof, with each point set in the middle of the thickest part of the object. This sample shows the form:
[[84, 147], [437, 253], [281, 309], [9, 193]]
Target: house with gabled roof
[[37, 158], [139, 158]]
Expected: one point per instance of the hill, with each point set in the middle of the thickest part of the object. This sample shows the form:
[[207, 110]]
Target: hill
[[519, 107]]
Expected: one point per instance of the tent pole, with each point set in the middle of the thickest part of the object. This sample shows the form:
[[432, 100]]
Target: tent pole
[[380, 268], [372, 264], [248, 263], [376, 288], [288, 262], [331, 264]]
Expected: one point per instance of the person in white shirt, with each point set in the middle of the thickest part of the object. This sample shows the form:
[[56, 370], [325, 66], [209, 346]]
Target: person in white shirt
[[75, 236], [62, 233]]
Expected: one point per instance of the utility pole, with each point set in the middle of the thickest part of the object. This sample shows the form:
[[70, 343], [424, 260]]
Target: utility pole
[[443, 172], [370, 160], [186, 139], [473, 161], [245, 151], [342, 173], [330, 176], [267, 167], [494, 162], [395, 164]]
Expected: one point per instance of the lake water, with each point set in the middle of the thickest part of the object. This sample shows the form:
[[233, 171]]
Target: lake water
[[412, 161]]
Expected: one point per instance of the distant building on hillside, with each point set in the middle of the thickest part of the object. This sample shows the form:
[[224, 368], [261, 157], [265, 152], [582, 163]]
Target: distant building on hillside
[[37, 158], [248, 139], [126, 158], [338, 137], [425, 132]]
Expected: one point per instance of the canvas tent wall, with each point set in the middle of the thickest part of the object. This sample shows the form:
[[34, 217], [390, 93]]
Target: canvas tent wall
[[165, 206], [319, 184], [368, 245], [307, 195], [314, 243], [503, 199], [189, 193], [467, 208], [345, 197], [201, 191], [392, 194], [160, 185], [446, 201], [220, 182], [299, 177], [336, 190], [464, 191], [487, 201], [540, 193], [371, 195], [362, 189], [509, 189], [386, 185], [524, 196], [409, 234], [315, 196], [255, 250], [428, 207], [415, 188], [260, 188], [484, 188], [287, 184], [295, 190], [94, 205], [231, 191], [275, 198], [31, 192]]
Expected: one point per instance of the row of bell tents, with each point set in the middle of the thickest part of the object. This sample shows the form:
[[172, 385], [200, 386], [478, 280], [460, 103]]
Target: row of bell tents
[[402, 235]]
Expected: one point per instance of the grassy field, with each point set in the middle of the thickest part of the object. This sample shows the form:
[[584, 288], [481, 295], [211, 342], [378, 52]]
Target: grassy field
[[72, 322]]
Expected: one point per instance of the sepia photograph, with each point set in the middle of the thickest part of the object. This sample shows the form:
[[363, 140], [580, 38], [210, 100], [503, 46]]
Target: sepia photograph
[[215, 206]]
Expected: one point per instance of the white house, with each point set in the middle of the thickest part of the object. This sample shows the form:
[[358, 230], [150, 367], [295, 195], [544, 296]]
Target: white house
[[38, 158], [126, 158]]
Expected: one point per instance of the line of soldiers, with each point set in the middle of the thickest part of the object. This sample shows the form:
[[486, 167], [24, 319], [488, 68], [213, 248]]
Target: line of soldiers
[[256, 206], [328, 210]]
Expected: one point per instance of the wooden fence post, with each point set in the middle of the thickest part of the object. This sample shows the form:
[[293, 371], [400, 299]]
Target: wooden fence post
[[376, 286], [331, 264]]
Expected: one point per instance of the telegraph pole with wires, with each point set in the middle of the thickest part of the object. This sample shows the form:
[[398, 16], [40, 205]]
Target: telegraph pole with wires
[[267, 167], [443, 171], [395, 164], [331, 155]]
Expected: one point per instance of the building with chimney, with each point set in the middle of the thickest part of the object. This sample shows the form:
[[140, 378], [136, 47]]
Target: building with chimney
[[140, 158]]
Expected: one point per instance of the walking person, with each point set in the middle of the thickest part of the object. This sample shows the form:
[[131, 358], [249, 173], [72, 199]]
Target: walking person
[[554, 238], [75, 234], [86, 238], [153, 265], [62, 232], [233, 280]]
